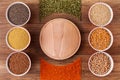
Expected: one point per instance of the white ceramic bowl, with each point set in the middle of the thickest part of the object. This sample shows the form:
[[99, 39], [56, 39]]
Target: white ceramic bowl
[[12, 47], [111, 11], [111, 66], [111, 36], [12, 72], [8, 11]]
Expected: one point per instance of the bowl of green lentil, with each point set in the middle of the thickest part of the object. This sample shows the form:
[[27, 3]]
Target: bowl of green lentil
[[18, 14]]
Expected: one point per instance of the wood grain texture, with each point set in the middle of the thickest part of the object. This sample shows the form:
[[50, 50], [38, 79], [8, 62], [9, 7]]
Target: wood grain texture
[[35, 52]]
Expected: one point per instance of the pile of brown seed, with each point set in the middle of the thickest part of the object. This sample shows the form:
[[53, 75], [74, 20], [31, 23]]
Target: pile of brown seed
[[100, 63], [18, 63]]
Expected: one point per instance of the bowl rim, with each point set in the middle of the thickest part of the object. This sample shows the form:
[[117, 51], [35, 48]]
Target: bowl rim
[[111, 36], [111, 66], [109, 7], [12, 72], [18, 50], [7, 10], [79, 35]]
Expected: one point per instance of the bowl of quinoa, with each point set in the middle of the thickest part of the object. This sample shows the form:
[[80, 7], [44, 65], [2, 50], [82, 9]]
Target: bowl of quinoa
[[100, 14]]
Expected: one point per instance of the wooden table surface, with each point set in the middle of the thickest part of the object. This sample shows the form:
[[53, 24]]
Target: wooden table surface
[[84, 52]]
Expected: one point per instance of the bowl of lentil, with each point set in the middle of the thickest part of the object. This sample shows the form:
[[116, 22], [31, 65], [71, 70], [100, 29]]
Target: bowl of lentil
[[18, 63], [100, 14], [18, 14], [100, 39], [18, 39], [100, 64]]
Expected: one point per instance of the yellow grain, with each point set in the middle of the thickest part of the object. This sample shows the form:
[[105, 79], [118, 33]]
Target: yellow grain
[[18, 38]]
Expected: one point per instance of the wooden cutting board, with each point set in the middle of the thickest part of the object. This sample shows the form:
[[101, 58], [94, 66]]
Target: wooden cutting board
[[35, 52]]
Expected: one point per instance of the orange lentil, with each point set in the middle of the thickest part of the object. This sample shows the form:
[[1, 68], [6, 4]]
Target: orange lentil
[[70, 71], [100, 39]]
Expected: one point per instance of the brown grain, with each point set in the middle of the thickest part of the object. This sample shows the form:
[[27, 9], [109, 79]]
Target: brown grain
[[18, 63]]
